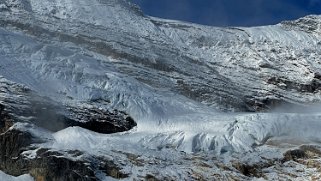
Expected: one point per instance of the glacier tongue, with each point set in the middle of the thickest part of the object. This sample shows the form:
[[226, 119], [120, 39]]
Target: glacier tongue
[[173, 78]]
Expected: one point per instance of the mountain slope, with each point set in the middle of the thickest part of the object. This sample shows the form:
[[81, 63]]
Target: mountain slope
[[163, 54], [173, 78]]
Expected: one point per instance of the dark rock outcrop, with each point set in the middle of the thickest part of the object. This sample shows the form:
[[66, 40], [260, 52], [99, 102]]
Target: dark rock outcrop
[[303, 152], [99, 120], [307, 24], [49, 165], [254, 170], [312, 87], [20, 104]]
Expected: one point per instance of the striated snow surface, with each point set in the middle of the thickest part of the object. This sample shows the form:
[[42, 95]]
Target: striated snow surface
[[174, 79]]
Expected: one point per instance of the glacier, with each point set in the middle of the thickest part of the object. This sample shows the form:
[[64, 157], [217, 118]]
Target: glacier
[[196, 92]]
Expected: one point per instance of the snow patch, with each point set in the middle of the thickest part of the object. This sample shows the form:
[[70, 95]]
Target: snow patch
[[6, 177]]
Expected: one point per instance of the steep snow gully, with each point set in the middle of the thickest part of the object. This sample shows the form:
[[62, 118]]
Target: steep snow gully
[[207, 95]]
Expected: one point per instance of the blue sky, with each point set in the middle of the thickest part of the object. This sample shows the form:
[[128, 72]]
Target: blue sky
[[230, 12]]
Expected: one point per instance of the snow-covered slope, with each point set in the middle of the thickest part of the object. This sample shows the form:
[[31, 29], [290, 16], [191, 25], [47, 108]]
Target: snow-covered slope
[[6, 177], [173, 78], [237, 68]]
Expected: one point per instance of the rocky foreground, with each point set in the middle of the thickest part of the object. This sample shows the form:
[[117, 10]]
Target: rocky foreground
[[16, 141]]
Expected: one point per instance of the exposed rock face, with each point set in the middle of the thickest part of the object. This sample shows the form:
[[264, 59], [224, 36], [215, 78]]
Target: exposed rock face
[[293, 163], [308, 24], [49, 165], [19, 103], [99, 120], [302, 153]]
